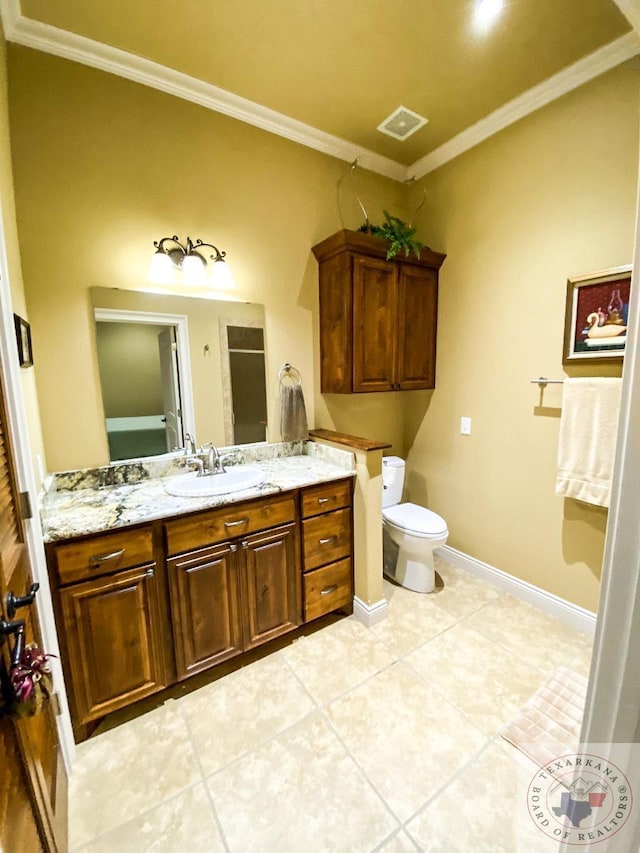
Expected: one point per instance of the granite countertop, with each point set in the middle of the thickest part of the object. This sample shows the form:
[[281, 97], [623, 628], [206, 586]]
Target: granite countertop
[[77, 504]]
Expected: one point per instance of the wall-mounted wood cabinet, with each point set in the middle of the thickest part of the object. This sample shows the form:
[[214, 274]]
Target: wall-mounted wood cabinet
[[377, 317]]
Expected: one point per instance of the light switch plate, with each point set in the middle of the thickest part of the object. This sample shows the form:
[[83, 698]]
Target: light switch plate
[[465, 426]]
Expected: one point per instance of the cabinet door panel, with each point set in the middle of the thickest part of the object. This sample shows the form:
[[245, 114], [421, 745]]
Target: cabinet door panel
[[417, 314], [272, 590], [204, 605], [113, 633], [374, 295]]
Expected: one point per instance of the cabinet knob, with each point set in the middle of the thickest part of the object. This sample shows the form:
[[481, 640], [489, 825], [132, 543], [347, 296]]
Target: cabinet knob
[[323, 500], [236, 523], [328, 539], [150, 573], [329, 589], [244, 543]]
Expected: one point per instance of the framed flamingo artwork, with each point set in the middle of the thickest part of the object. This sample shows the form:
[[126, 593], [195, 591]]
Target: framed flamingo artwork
[[595, 326]]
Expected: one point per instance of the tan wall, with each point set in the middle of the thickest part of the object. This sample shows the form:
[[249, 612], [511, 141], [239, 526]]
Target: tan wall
[[103, 167], [129, 362], [7, 200], [551, 197]]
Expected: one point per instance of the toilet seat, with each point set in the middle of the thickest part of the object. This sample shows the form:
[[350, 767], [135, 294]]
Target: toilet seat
[[415, 520]]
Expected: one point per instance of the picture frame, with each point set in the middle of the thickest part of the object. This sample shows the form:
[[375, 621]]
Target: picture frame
[[596, 314], [23, 340]]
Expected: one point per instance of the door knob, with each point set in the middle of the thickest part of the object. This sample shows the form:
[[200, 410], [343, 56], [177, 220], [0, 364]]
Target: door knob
[[15, 602]]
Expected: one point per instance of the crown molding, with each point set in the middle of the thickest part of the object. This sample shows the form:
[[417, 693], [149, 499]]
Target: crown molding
[[585, 69], [49, 39], [631, 10], [67, 45]]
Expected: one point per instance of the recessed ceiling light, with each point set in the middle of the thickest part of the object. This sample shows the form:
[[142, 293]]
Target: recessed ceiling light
[[402, 123], [487, 11]]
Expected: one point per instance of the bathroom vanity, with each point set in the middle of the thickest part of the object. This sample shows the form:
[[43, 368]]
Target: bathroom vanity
[[150, 589]]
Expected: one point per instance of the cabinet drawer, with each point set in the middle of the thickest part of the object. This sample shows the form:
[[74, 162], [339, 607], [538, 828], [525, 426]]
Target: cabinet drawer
[[327, 589], [327, 497], [208, 528], [100, 555], [327, 538]]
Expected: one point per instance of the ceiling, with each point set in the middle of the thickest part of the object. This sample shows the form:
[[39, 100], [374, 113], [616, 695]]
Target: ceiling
[[330, 71]]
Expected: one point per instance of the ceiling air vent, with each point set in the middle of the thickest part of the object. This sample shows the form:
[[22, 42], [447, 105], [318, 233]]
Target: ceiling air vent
[[402, 123]]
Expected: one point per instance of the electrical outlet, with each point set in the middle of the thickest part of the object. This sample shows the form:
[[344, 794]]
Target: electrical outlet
[[465, 426]]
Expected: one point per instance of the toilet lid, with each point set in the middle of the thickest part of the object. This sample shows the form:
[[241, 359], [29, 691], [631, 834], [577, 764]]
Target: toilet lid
[[415, 519]]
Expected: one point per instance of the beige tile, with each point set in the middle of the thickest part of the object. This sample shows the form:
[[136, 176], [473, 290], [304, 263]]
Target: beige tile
[[400, 843], [484, 681], [233, 715], [460, 593], [408, 740], [581, 663], [537, 638], [127, 770], [483, 810], [413, 618], [339, 657], [299, 791], [184, 823]]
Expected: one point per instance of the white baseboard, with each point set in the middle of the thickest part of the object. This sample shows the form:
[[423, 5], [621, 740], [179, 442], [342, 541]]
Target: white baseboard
[[370, 614], [570, 614]]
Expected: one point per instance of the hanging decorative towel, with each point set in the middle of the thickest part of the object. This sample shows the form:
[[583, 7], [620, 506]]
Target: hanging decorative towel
[[587, 442], [293, 415]]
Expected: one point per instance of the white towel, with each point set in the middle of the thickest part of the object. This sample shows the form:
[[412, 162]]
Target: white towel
[[587, 442], [293, 415]]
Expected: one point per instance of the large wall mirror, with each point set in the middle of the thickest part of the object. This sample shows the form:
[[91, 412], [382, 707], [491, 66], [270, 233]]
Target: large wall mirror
[[176, 365]]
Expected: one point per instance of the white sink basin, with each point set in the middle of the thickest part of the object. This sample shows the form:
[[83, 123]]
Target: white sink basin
[[233, 480]]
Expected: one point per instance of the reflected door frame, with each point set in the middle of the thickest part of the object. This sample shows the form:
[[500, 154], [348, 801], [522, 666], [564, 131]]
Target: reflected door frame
[[181, 324]]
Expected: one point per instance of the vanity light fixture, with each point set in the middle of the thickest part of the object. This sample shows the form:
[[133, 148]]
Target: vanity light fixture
[[487, 11], [172, 257]]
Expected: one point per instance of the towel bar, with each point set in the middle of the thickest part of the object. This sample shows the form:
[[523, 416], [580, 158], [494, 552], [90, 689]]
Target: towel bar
[[290, 372], [542, 380]]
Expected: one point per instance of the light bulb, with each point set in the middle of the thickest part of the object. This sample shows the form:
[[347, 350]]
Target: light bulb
[[487, 10], [161, 269], [193, 271], [221, 276]]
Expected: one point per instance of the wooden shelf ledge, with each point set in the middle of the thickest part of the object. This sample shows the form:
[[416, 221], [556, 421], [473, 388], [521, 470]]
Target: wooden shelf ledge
[[352, 441]]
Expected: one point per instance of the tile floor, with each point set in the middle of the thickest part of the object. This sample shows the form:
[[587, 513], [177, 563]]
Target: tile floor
[[350, 739]]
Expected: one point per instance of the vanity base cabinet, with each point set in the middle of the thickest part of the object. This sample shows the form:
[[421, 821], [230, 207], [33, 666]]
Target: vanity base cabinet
[[205, 607], [145, 607], [113, 636], [271, 574]]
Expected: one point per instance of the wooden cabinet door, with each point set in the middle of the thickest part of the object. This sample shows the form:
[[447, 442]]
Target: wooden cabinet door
[[416, 330], [374, 325], [271, 584], [205, 607], [114, 640]]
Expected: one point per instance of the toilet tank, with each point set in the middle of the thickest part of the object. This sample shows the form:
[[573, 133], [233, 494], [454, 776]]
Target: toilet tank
[[392, 480]]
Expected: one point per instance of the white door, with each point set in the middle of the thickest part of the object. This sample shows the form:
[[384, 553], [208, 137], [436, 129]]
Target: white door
[[170, 388]]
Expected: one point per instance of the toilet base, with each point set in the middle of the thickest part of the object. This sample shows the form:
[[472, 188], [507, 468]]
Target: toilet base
[[403, 566]]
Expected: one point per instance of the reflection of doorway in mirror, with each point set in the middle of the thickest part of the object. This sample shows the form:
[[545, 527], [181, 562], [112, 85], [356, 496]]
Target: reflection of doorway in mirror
[[140, 370], [246, 397]]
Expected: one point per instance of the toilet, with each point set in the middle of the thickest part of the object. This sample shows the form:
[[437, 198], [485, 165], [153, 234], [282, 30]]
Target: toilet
[[411, 532]]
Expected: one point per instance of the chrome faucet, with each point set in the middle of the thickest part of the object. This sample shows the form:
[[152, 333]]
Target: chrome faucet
[[189, 444], [214, 461]]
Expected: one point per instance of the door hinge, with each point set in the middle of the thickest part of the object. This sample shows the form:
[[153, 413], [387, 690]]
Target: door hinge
[[174, 347], [25, 505]]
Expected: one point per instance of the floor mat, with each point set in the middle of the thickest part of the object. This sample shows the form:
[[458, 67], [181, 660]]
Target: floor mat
[[551, 720]]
